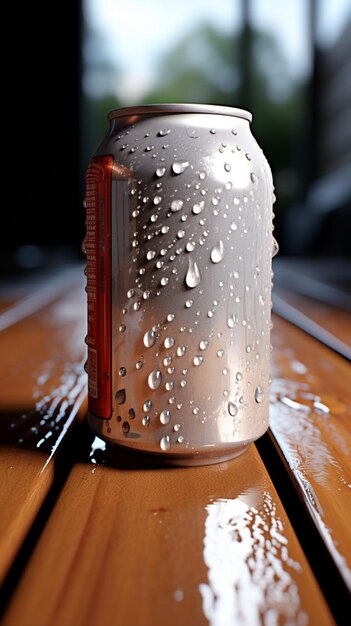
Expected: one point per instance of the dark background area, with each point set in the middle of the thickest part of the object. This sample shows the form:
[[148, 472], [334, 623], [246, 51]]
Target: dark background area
[[53, 128]]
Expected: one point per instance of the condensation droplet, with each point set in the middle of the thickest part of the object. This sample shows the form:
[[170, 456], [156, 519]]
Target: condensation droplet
[[154, 380], [227, 167], [190, 246], [232, 409], [239, 376], [165, 416], [130, 293], [120, 396], [165, 443], [149, 338], [177, 427], [125, 427], [181, 350], [233, 226], [168, 342], [220, 353], [147, 406], [217, 253], [180, 234], [253, 177], [139, 365], [193, 276], [160, 171], [198, 359], [164, 281], [198, 207], [179, 168], [170, 317], [248, 156], [183, 383], [231, 321], [275, 247], [146, 420], [164, 230], [203, 344], [164, 132], [169, 385], [259, 394], [189, 303], [212, 131], [150, 255], [157, 200], [176, 205], [180, 439], [131, 414], [122, 371]]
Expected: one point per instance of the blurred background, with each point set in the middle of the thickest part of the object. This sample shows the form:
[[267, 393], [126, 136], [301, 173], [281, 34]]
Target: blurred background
[[288, 62]]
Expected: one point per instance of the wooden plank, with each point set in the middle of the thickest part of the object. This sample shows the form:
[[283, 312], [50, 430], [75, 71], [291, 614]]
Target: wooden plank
[[148, 547], [334, 320], [310, 424], [42, 389]]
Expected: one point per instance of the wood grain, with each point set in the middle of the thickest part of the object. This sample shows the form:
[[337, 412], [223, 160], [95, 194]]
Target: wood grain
[[332, 319], [149, 547], [310, 424], [43, 387]]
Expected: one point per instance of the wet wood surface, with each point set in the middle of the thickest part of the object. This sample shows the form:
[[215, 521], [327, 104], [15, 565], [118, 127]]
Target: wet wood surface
[[133, 546], [41, 392], [310, 419], [331, 318], [173, 546]]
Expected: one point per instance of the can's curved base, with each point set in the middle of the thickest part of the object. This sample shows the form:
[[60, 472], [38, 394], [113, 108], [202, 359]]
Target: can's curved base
[[190, 456]]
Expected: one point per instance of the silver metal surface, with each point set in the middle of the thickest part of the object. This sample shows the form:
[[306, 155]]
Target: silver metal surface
[[191, 244]]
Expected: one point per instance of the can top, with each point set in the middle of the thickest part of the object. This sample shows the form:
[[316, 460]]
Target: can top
[[177, 107]]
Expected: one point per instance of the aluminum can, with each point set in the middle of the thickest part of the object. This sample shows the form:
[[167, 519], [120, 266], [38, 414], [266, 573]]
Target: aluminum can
[[179, 250]]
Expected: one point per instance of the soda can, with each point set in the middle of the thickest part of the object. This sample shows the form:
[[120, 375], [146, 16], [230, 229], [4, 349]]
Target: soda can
[[179, 252]]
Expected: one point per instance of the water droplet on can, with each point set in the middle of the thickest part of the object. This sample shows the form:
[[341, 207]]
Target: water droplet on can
[[168, 342], [181, 350], [125, 427], [179, 168], [275, 247], [146, 420], [197, 360], [176, 205], [232, 409], [165, 443], [217, 253], [193, 276], [149, 338], [120, 396], [198, 207], [122, 371], [203, 344], [259, 394], [160, 171], [147, 406], [154, 379], [227, 167], [165, 416]]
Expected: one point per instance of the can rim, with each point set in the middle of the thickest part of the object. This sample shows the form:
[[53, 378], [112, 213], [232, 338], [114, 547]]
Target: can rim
[[179, 107]]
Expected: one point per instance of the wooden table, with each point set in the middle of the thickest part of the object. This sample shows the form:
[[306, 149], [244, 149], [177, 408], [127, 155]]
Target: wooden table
[[87, 539]]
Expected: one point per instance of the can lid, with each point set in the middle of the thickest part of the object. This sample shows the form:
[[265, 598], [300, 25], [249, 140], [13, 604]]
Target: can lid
[[179, 107]]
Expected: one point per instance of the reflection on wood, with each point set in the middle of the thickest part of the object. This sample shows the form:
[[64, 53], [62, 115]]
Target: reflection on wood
[[42, 389], [310, 422], [203, 545]]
